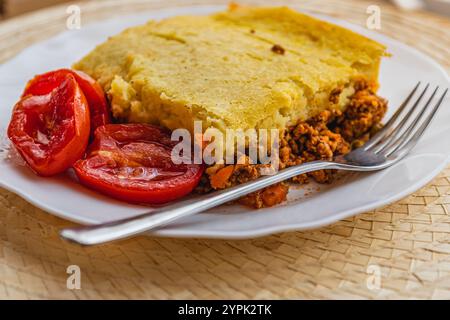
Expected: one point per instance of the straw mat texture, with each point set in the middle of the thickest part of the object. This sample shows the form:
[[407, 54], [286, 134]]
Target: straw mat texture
[[408, 242]]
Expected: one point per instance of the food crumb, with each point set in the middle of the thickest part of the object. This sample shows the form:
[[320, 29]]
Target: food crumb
[[278, 49]]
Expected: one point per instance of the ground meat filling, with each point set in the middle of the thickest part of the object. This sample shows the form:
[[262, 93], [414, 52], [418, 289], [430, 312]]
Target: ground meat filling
[[329, 134]]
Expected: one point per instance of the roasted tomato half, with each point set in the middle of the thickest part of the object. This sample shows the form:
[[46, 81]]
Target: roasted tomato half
[[98, 106], [132, 162], [51, 131]]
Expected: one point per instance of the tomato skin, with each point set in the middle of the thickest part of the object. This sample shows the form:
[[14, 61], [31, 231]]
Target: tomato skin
[[121, 150], [51, 131], [98, 106]]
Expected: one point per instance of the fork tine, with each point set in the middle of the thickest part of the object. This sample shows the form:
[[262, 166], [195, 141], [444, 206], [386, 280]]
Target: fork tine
[[395, 131], [410, 141], [388, 126], [396, 141]]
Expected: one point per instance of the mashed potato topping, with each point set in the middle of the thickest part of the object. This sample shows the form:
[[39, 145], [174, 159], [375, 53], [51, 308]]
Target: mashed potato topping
[[244, 68]]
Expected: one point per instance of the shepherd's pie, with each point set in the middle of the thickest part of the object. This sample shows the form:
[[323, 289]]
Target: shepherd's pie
[[248, 68]]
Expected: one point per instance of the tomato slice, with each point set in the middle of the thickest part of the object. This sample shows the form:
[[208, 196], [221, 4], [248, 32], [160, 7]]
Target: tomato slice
[[132, 162], [51, 131], [98, 106]]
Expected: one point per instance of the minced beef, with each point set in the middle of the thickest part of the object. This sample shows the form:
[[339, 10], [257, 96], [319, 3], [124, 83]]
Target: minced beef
[[323, 137]]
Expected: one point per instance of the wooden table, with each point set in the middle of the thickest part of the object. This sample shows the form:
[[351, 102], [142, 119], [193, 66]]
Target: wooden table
[[407, 242]]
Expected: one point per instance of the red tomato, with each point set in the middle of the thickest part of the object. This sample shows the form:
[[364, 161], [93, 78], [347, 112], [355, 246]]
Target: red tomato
[[51, 131], [98, 107], [132, 162]]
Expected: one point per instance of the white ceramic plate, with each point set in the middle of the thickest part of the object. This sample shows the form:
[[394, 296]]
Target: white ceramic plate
[[354, 193]]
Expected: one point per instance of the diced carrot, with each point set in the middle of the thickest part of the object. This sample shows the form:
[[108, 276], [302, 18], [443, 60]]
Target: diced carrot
[[220, 178], [274, 195]]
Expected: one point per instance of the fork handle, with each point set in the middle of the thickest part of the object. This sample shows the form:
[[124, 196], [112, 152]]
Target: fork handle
[[96, 234]]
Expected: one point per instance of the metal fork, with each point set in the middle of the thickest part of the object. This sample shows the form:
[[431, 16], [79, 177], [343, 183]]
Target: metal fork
[[387, 147]]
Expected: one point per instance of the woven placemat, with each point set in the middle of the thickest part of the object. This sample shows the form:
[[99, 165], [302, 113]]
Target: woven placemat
[[399, 251]]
